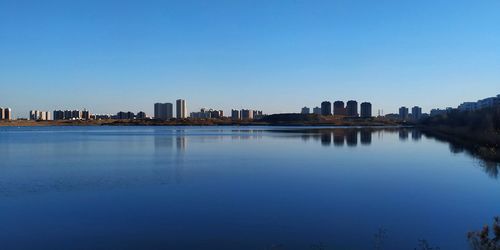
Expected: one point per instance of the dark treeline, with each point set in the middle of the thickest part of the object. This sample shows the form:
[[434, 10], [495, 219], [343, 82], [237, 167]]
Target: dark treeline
[[480, 127], [484, 119]]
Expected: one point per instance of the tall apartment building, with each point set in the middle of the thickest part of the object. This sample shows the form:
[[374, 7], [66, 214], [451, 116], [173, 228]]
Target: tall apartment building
[[216, 113], [76, 114], [34, 115], [326, 108], [403, 113], [338, 108], [58, 115], [164, 111], [68, 115], [7, 114], [366, 110], [246, 114], [85, 115], [317, 110], [416, 113], [352, 108], [37, 115], [181, 109], [2, 113], [44, 116], [258, 114], [235, 114]]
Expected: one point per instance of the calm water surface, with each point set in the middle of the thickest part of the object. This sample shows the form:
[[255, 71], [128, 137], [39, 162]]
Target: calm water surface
[[238, 188]]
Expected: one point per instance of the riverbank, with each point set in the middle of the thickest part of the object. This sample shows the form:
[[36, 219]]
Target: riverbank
[[479, 128], [483, 137], [484, 144], [327, 121]]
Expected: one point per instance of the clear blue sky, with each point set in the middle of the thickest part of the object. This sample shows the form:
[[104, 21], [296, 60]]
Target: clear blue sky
[[272, 55]]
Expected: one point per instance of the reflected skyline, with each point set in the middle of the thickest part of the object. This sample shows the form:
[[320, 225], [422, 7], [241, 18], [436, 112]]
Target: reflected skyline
[[165, 140]]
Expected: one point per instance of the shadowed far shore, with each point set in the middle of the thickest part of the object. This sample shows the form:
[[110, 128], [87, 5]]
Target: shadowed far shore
[[476, 131], [271, 120]]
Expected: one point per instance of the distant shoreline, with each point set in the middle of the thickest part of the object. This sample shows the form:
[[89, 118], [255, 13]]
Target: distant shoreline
[[200, 122]]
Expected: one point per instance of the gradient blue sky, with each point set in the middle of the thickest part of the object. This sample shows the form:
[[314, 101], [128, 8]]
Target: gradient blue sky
[[272, 55]]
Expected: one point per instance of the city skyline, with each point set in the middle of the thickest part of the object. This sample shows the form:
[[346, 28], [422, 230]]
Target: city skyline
[[164, 111], [261, 54]]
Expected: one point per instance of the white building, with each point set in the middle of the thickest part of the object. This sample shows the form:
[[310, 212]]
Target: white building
[[37, 115], [203, 114], [305, 110], [181, 109]]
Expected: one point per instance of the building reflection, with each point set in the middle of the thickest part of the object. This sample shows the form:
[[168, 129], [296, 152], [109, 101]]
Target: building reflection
[[366, 137], [244, 134], [352, 138], [416, 135], [403, 134], [181, 144], [326, 139], [171, 148], [171, 159], [163, 143], [339, 139]]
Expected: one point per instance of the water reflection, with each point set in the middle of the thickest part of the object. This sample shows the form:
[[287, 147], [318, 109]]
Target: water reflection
[[416, 134], [339, 139], [327, 136], [237, 175], [181, 143], [487, 158], [169, 158], [163, 143], [326, 139], [366, 137], [403, 134], [352, 138]]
